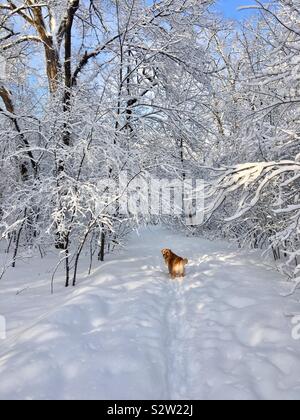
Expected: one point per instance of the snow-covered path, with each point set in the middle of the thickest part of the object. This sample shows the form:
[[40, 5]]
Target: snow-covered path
[[128, 332]]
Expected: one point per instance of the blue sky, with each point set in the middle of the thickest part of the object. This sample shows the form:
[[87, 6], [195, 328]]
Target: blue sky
[[229, 8]]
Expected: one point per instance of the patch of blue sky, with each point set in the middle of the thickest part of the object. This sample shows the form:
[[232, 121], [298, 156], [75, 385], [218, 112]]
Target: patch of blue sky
[[230, 8]]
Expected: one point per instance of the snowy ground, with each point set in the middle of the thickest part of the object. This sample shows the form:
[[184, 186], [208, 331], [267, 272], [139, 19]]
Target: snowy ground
[[128, 332]]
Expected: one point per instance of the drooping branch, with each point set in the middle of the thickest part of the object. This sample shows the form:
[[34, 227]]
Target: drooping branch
[[250, 180]]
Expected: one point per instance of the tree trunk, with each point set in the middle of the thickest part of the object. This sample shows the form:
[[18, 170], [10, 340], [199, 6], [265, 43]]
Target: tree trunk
[[101, 255]]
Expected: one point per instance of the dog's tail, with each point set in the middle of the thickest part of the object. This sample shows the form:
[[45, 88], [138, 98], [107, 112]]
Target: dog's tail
[[185, 261]]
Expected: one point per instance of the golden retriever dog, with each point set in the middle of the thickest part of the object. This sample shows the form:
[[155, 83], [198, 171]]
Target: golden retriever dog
[[175, 264]]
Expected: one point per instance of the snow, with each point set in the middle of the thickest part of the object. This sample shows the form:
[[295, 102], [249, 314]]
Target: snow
[[128, 332]]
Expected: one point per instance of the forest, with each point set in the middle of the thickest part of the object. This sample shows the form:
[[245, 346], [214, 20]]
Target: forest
[[93, 89]]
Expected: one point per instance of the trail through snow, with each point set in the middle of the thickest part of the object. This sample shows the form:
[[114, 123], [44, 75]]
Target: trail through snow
[[128, 332]]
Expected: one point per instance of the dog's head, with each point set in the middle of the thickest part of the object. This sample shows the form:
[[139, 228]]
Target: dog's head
[[166, 254]]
